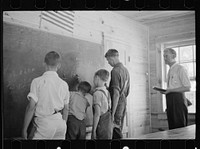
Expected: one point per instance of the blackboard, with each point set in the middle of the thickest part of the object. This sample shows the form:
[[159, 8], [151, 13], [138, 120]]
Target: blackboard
[[24, 49]]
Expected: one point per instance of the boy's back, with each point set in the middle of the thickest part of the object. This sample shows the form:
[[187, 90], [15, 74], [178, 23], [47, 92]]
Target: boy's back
[[77, 105], [48, 95], [50, 92]]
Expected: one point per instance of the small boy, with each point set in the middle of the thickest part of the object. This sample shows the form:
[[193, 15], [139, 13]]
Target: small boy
[[77, 112], [102, 121], [49, 94]]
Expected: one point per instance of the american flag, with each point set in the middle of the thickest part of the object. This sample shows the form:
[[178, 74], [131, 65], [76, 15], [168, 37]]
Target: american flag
[[62, 19]]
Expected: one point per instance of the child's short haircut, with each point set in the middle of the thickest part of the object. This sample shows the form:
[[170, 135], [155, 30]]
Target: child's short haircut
[[102, 74], [52, 58], [84, 86]]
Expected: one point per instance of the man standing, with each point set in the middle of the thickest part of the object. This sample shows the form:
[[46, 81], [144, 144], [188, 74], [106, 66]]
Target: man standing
[[177, 84], [119, 90]]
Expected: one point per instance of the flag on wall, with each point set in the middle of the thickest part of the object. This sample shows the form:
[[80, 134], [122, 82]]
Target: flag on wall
[[61, 19]]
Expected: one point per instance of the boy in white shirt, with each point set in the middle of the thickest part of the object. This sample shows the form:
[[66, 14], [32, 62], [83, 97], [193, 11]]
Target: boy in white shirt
[[48, 96]]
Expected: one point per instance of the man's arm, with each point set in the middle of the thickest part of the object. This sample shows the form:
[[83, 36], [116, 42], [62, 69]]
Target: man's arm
[[30, 109], [115, 100], [179, 89]]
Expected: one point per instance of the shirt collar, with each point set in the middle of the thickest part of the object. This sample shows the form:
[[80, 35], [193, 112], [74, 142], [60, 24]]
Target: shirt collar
[[78, 93], [173, 65], [102, 87], [51, 73]]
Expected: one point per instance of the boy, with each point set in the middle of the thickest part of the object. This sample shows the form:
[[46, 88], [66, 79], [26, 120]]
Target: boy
[[102, 120], [48, 95], [77, 112]]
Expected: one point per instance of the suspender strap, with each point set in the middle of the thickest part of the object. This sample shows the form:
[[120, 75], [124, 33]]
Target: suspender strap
[[108, 97], [124, 87]]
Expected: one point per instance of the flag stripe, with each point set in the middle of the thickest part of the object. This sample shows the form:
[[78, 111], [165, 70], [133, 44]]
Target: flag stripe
[[56, 17], [62, 19], [58, 21], [67, 16], [57, 25], [68, 13]]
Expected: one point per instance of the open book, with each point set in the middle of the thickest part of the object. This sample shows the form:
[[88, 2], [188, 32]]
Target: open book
[[159, 89], [189, 103]]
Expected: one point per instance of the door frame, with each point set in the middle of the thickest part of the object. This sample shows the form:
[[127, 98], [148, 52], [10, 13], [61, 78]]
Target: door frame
[[122, 47]]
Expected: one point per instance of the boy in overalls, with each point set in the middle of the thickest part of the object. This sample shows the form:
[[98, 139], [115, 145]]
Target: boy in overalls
[[48, 95], [78, 104], [102, 121]]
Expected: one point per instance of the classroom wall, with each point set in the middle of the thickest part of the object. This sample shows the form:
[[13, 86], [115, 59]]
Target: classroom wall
[[167, 32], [23, 57], [101, 30]]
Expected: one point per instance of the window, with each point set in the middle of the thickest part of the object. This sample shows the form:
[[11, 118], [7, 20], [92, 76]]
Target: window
[[186, 56]]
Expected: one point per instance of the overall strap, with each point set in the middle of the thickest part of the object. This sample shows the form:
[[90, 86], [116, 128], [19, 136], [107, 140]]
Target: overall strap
[[124, 87], [108, 97]]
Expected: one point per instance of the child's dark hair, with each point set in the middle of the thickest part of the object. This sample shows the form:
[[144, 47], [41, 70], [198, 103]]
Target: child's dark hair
[[52, 58], [84, 86], [102, 74]]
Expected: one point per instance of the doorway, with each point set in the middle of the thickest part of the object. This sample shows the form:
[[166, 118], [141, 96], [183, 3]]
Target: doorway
[[122, 48]]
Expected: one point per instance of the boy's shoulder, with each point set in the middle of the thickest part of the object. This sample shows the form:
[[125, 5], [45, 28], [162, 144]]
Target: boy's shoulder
[[72, 92], [100, 91], [64, 82], [75, 94], [88, 95], [37, 79]]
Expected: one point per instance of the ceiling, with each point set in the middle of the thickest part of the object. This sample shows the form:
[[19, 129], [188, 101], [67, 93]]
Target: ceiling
[[149, 17]]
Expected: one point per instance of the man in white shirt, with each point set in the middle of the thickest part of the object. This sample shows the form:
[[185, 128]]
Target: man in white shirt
[[48, 96], [177, 84]]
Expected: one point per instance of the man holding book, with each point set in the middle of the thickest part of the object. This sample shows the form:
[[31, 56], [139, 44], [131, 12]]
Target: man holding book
[[177, 84]]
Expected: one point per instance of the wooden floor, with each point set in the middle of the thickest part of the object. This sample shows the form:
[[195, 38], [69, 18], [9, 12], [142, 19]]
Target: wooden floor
[[179, 133]]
